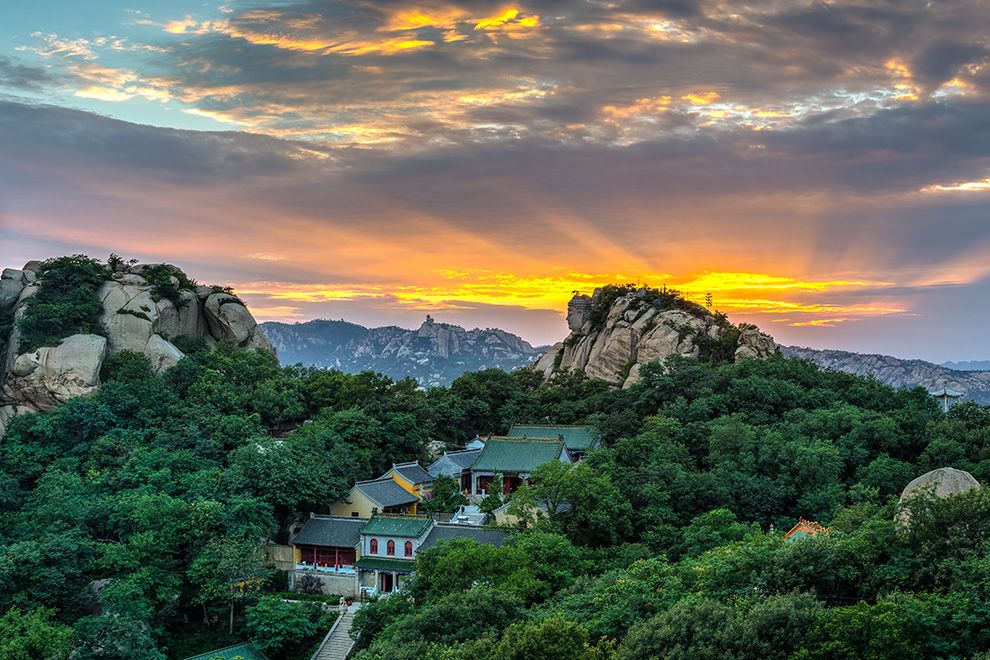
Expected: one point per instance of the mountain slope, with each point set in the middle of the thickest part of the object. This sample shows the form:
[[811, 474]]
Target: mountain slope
[[433, 354], [898, 372]]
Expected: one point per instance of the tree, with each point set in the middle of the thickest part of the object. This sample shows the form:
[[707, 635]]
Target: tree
[[66, 303], [552, 638], [478, 612], [446, 495], [581, 501], [227, 570], [493, 500], [33, 635], [871, 632], [113, 636], [710, 530], [277, 627], [690, 629]]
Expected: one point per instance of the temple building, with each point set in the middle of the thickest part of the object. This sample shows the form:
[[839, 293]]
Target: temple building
[[388, 550], [457, 465], [351, 556], [946, 396], [804, 529], [412, 477], [513, 459], [327, 549], [367, 498], [579, 440]]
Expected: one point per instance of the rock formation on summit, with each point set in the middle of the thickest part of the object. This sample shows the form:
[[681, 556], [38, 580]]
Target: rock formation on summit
[[620, 328], [145, 308]]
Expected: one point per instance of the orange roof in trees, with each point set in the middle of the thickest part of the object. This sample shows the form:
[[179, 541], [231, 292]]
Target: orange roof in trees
[[804, 529]]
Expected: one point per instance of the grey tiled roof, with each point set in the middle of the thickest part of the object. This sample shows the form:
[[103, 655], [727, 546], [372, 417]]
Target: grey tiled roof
[[413, 473], [463, 458], [386, 492], [439, 533], [335, 532]]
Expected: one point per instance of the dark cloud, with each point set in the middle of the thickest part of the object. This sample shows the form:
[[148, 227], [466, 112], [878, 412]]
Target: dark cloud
[[19, 76], [67, 138], [942, 59]]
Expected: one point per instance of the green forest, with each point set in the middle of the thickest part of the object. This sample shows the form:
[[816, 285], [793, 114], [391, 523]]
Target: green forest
[[126, 515]]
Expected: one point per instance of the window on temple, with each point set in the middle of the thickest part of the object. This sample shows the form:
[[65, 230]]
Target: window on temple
[[408, 548], [374, 546], [390, 548]]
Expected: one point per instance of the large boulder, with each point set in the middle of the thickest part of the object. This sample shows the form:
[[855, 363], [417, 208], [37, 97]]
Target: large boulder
[[190, 316], [228, 318], [943, 482], [129, 315], [11, 284], [754, 344], [54, 374], [162, 353]]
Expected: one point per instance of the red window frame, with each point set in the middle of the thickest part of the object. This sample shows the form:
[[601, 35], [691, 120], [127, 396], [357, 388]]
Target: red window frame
[[390, 548], [374, 546], [408, 549]]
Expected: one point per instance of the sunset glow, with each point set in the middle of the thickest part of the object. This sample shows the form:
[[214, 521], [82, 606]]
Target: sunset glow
[[480, 162]]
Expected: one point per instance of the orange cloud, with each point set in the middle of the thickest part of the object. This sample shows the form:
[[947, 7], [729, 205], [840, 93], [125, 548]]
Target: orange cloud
[[821, 323], [980, 185], [508, 18], [701, 98]]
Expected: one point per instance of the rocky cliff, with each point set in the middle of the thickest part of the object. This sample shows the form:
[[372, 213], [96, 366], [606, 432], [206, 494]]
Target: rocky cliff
[[433, 354], [147, 308], [618, 329], [898, 372]]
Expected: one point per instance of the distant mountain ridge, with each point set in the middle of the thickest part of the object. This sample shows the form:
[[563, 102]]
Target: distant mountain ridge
[[968, 365], [437, 353], [433, 354], [898, 372]]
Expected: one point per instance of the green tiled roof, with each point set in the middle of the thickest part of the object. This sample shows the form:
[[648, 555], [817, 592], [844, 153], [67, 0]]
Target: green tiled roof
[[517, 454], [574, 437], [405, 526], [245, 651], [386, 564]]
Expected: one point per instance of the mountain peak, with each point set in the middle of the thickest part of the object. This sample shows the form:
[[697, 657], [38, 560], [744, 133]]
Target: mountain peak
[[434, 354]]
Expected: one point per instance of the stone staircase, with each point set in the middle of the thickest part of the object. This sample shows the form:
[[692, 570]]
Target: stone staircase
[[338, 643]]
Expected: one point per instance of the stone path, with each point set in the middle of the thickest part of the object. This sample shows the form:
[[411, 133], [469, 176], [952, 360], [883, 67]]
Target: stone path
[[338, 643]]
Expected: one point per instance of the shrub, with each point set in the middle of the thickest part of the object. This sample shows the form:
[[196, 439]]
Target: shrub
[[661, 298], [66, 303], [127, 366], [191, 345], [160, 276], [277, 627], [309, 584]]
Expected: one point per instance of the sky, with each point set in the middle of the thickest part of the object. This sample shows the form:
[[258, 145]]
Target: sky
[[822, 169]]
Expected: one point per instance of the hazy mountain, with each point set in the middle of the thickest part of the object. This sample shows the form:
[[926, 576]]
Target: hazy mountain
[[899, 372], [968, 365], [434, 354]]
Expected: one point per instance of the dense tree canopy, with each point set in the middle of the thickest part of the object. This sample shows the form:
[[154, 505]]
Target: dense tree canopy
[[127, 514]]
